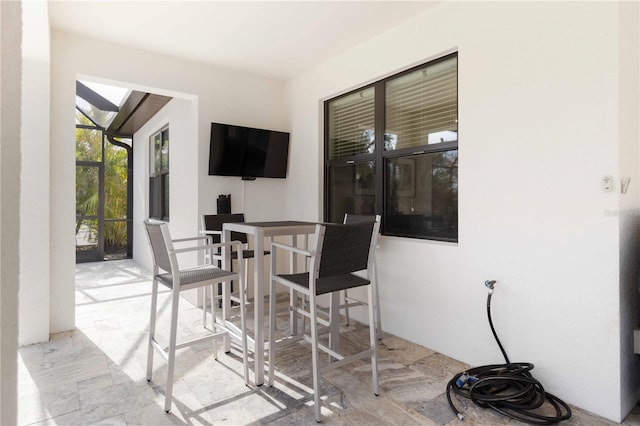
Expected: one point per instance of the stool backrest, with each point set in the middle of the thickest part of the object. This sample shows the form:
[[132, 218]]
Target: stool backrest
[[160, 241], [345, 248], [358, 218], [214, 222]]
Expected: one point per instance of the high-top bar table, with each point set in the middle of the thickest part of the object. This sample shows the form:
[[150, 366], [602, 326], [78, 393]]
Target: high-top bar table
[[260, 230]]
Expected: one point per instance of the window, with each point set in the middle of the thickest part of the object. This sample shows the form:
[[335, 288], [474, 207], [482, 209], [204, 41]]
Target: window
[[391, 148], [159, 175]]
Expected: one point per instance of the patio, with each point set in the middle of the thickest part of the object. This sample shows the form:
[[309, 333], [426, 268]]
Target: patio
[[96, 374]]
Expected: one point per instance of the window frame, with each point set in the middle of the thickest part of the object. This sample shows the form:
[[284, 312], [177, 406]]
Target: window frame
[[380, 156], [159, 190]]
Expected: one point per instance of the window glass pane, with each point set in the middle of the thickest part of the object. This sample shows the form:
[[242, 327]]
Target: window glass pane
[[154, 197], [86, 235], [157, 149], [159, 179], [165, 198], [103, 118], [113, 94], [352, 190], [422, 106], [82, 119], [422, 195], [87, 190], [88, 144], [164, 151], [115, 182], [115, 239], [351, 124]]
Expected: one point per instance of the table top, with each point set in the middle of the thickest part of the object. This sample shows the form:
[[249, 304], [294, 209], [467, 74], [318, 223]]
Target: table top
[[280, 227]]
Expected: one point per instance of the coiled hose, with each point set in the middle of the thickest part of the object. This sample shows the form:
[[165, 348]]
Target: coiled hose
[[508, 388]]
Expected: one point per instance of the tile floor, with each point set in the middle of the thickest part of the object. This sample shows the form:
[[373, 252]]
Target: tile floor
[[95, 375]]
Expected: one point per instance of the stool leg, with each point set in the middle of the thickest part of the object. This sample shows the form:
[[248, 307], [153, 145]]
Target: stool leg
[[243, 328], [152, 328], [204, 307], [212, 301], [272, 330], [373, 340], [226, 306], [346, 309], [175, 295], [246, 279], [314, 357], [213, 319]]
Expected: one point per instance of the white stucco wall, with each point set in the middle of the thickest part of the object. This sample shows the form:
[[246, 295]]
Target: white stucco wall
[[34, 193], [10, 145], [538, 102], [629, 210], [180, 116], [216, 95]]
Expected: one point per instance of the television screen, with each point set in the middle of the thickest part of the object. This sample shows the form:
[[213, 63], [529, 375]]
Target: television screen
[[247, 152]]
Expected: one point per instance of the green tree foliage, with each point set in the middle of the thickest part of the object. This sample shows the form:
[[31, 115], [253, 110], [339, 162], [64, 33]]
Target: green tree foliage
[[114, 159], [115, 206]]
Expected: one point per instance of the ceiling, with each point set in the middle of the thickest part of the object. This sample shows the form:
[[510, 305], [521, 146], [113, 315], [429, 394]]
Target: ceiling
[[278, 39]]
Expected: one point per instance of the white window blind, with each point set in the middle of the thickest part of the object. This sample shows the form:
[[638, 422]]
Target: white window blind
[[351, 128], [422, 106]]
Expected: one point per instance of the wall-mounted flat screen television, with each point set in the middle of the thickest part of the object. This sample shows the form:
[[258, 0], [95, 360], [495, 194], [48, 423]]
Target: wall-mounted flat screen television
[[247, 152]]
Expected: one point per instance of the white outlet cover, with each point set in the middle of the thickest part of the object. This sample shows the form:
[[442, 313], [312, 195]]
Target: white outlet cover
[[607, 183]]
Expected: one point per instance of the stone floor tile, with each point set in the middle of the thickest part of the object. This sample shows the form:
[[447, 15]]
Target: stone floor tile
[[185, 407], [218, 383], [70, 419], [113, 421], [154, 415], [113, 400], [42, 403], [70, 373], [97, 373], [436, 409], [30, 357], [401, 350], [95, 383]]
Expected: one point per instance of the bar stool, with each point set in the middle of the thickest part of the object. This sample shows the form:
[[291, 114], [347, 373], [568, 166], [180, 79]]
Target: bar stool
[[338, 251], [166, 271]]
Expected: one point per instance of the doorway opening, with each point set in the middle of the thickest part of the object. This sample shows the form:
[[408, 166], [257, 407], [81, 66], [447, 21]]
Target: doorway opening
[[106, 119]]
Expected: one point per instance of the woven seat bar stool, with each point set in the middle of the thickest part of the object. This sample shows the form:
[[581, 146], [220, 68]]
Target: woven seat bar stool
[[352, 302], [211, 225], [166, 271], [337, 252]]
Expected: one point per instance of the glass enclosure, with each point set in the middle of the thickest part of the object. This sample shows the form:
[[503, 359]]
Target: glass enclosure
[[103, 206]]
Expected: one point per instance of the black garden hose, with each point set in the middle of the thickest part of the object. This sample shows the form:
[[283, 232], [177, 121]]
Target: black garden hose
[[508, 388]]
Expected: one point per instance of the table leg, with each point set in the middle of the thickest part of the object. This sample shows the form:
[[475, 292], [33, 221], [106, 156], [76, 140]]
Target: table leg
[[226, 300], [258, 294], [293, 295]]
